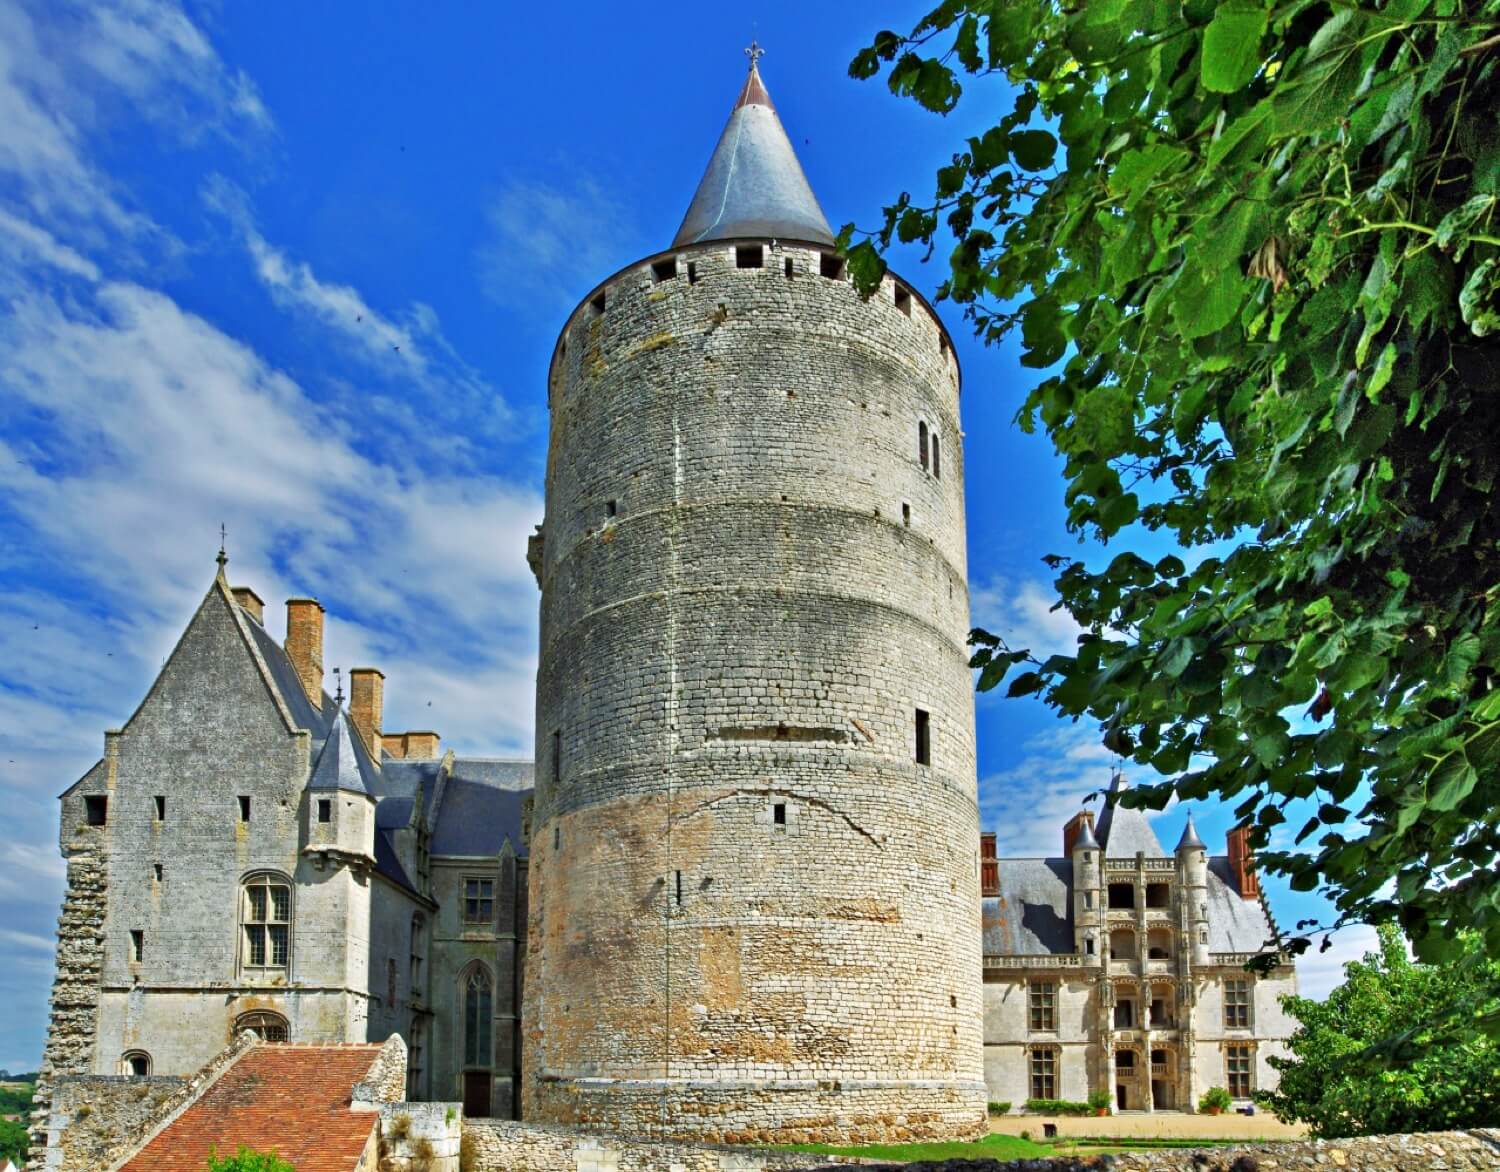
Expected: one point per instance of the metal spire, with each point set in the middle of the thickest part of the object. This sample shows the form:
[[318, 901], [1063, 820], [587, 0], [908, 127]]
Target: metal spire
[[223, 558]]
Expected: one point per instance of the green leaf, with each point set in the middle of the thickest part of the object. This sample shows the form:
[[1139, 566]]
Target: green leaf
[[1202, 308], [1135, 170], [1025, 684], [1451, 782], [1033, 149], [1231, 45]]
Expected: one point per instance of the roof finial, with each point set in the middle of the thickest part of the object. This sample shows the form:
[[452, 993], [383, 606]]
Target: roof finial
[[755, 53], [223, 557], [338, 689]]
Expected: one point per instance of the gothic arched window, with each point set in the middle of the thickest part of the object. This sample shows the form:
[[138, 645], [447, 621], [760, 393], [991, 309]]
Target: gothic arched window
[[922, 443], [937, 456], [266, 923], [479, 997], [265, 1025], [136, 1063]]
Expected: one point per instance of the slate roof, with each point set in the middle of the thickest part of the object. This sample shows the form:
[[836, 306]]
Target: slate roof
[[476, 818], [1235, 924], [284, 1098], [754, 185], [1033, 914], [338, 765], [1126, 832]]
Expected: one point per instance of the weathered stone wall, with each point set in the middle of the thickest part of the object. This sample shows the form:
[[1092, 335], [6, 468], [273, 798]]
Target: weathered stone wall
[[74, 1018], [492, 1145], [420, 1137], [94, 1116], [754, 913]]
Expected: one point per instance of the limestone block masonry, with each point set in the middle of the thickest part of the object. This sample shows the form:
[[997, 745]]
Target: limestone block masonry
[[754, 888]]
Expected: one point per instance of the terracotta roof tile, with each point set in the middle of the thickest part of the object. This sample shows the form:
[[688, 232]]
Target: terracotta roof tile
[[288, 1099]]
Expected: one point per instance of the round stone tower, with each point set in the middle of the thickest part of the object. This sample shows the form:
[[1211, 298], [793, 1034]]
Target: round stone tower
[[754, 890]]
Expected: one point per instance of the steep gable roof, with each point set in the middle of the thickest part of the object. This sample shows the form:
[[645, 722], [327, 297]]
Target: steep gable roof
[[1123, 831], [1033, 914], [285, 1098]]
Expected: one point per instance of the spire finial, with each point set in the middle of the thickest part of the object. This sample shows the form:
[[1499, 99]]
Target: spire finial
[[755, 53], [223, 557], [338, 689]]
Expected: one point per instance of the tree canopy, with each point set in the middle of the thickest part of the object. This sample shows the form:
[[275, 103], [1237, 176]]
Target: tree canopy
[[247, 1160], [1450, 1080], [1253, 251]]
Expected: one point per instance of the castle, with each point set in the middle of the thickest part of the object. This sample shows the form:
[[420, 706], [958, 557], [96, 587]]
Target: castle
[[739, 898]]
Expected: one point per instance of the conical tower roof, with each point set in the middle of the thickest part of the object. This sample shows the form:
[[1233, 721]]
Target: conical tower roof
[[754, 185], [1190, 839], [338, 766]]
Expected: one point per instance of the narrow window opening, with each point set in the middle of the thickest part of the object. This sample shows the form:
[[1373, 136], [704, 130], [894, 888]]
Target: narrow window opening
[[679, 888], [556, 756], [943, 344], [952, 1000], [137, 1063], [96, 810], [557, 838], [937, 457], [692, 273], [597, 304], [903, 300], [156, 871], [610, 508], [831, 266], [749, 256], [664, 270], [244, 808], [778, 813], [1088, 900], [1088, 946], [924, 737], [790, 269], [137, 945], [161, 808], [906, 514], [325, 810], [922, 444]]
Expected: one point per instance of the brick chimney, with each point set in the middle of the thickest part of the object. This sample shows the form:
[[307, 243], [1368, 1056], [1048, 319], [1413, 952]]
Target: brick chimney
[[304, 644], [417, 745], [989, 865], [1071, 830], [1242, 863], [250, 602], [366, 699]]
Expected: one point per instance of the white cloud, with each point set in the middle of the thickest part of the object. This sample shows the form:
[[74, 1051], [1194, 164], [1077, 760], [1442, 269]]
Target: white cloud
[[548, 244], [1319, 973], [1021, 612]]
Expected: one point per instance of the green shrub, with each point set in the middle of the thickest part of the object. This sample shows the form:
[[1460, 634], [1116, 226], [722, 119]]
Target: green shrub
[[1057, 1107], [1215, 1097], [999, 1108], [247, 1160], [1099, 1100]]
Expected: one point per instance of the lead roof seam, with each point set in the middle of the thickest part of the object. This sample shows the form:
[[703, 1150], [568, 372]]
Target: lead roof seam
[[734, 158]]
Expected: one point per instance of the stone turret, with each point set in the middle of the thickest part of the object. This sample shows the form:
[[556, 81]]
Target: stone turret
[[752, 882], [340, 809], [1082, 848], [1192, 876]]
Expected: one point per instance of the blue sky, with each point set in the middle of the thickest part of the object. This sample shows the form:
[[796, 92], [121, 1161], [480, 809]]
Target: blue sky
[[297, 269]]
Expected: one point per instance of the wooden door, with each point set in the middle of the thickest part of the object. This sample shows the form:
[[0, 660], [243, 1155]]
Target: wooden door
[[476, 1093]]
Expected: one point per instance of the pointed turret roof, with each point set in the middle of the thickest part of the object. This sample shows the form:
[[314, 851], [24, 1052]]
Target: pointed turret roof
[[338, 767], [754, 185], [1086, 839], [1123, 831], [1190, 839]]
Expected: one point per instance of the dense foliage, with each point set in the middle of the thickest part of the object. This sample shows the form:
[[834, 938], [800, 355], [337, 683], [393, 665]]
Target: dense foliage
[[1256, 246], [247, 1160], [14, 1139], [1453, 1080]]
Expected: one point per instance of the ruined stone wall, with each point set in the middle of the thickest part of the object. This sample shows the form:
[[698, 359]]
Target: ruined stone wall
[[754, 911], [493, 1145], [94, 1117], [74, 1018]]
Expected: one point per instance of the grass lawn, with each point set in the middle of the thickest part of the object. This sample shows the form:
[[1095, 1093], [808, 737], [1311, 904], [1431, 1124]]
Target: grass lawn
[[991, 1147]]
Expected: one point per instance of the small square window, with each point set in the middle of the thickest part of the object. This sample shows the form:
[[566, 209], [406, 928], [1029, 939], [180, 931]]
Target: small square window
[[611, 508], [924, 737], [479, 901], [903, 300], [831, 266], [596, 304], [137, 945], [161, 808], [244, 808], [749, 256], [156, 871], [664, 270], [325, 810], [96, 809]]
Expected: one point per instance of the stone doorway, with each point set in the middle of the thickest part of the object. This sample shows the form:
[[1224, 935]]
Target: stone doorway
[[476, 1093]]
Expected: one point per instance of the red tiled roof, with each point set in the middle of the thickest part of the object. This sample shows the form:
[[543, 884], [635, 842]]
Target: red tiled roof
[[288, 1099]]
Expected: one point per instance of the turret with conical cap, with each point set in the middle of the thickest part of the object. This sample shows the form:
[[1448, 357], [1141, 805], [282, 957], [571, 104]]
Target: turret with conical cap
[[1192, 871], [753, 908]]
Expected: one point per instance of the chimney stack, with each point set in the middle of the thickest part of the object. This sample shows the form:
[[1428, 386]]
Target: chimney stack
[[304, 644], [989, 865], [417, 745], [366, 700], [1242, 863], [1071, 830], [250, 602]]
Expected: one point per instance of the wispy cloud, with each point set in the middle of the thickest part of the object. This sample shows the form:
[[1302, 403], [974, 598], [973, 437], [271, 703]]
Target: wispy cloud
[[1021, 610], [548, 244]]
